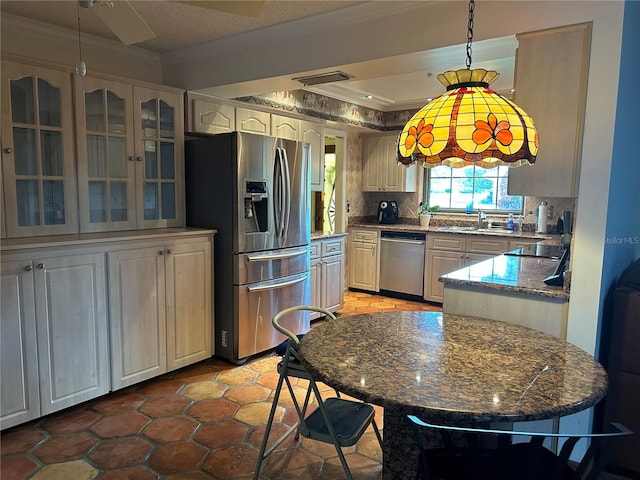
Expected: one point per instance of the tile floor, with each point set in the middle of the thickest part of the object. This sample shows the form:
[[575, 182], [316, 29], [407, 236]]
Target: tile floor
[[202, 422]]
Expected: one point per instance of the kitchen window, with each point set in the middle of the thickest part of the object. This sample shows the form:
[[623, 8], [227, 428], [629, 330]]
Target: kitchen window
[[471, 188]]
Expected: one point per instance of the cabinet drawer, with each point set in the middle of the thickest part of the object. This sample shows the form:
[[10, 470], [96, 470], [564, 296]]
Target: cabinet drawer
[[315, 249], [446, 242], [364, 236], [486, 245], [332, 247]]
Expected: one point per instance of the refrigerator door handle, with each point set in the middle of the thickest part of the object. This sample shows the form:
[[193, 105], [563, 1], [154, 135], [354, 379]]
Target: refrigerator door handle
[[277, 192], [276, 256], [274, 286], [287, 192]]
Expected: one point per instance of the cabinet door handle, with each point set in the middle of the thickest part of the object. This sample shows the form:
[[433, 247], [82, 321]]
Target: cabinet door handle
[[132, 158], [8, 150], [161, 252], [139, 159], [169, 251], [41, 266], [28, 268]]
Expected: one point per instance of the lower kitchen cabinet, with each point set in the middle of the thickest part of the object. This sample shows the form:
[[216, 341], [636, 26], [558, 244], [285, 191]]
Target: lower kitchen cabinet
[[56, 330], [160, 304], [439, 263], [327, 274], [20, 395], [69, 362], [364, 259], [449, 252]]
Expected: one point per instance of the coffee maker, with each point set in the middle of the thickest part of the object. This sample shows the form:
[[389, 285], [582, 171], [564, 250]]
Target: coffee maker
[[388, 212]]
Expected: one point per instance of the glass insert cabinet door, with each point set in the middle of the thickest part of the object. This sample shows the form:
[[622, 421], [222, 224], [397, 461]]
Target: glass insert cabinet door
[[159, 136], [38, 163], [107, 163]]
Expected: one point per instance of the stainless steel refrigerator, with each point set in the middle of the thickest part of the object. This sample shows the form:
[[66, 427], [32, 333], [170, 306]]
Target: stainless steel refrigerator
[[254, 190]]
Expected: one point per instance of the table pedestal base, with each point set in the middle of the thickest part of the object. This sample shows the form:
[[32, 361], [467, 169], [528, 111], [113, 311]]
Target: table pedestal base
[[399, 449]]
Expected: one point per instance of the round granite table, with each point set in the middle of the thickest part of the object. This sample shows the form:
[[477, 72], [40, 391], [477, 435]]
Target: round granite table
[[449, 369]]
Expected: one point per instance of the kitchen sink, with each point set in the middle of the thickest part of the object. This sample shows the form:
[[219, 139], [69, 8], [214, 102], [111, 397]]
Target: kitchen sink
[[494, 230]]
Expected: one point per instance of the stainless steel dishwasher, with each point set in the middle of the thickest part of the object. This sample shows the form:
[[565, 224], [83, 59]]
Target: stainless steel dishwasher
[[402, 262]]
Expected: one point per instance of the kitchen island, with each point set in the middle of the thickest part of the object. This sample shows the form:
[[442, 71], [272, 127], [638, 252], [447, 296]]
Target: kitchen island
[[510, 289]]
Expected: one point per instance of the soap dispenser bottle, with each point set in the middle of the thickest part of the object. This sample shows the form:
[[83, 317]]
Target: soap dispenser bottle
[[510, 225]]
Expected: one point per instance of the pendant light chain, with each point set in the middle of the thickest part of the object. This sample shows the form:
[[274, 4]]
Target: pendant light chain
[[81, 67], [472, 5], [79, 39]]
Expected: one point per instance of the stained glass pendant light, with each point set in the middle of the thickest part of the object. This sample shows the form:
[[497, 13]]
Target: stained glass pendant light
[[470, 124]]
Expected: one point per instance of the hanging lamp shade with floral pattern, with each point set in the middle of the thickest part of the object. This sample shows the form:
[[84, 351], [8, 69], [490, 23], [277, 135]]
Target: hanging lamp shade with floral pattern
[[470, 124]]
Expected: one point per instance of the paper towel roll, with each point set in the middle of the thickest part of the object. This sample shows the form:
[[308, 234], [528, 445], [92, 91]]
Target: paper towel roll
[[543, 211]]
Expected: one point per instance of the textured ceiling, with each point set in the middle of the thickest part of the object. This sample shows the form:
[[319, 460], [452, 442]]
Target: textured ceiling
[[396, 83], [175, 24]]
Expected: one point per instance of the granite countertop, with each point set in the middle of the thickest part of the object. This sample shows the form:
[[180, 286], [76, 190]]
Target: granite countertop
[[320, 235], [511, 274], [453, 368], [100, 237], [456, 230]]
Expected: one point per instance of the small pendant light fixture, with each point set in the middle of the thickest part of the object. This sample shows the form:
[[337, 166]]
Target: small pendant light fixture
[[470, 124], [81, 67]]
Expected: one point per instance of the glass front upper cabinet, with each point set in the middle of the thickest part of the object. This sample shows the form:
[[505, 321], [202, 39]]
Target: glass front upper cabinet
[[131, 156], [159, 126], [107, 164], [38, 154]]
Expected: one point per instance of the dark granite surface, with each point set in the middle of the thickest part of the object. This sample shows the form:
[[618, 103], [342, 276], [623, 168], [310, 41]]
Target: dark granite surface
[[453, 229], [509, 273], [453, 369], [316, 235]]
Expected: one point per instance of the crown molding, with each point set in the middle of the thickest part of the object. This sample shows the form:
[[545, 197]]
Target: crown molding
[[12, 24]]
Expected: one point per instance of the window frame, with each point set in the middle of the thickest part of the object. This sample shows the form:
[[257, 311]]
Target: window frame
[[426, 194]]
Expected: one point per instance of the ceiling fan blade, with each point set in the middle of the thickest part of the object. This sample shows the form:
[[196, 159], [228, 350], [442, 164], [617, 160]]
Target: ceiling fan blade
[[246, 8], [123, 21]]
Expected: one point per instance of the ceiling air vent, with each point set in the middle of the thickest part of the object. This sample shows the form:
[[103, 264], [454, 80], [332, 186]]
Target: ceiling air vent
[[323, 78]]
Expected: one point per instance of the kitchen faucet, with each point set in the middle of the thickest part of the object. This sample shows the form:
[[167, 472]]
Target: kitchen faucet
[[481, 217]]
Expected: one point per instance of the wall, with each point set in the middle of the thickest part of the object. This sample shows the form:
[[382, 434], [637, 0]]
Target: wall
[[622, 235]]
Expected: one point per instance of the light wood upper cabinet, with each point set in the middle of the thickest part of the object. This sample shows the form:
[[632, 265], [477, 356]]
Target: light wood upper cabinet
[[131, 156], [551, 82], [285, 127], [253, 121], [106, 151], [159, 136], [209, 116], [38, 156], [313, 134], [381, 170]]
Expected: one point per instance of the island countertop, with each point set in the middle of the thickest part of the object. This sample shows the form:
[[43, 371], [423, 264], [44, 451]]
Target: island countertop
[[511, 274]]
